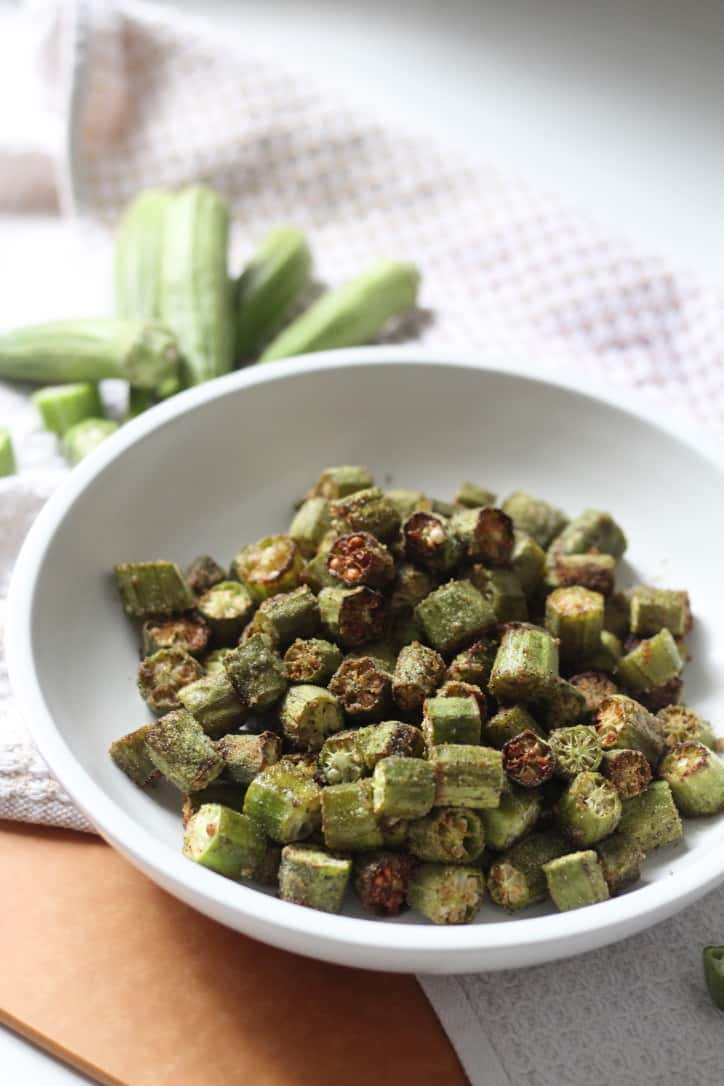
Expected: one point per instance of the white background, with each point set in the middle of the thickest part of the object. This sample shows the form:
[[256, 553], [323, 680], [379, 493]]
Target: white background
[[614, 104]]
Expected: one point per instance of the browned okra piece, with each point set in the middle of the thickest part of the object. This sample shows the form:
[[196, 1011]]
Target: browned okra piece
[[203, 574], [419, 670], [678, 724], [163, 674], [455, 689], [312, 661], [187, 632], [660, 697], [352, 616], [596, 572], [454, 615], [525, 664], [507, 723], [338, 482], [367, 510], [534, 516], [486, 535], [575, 616], [130, 754], [363, 689], [624, 724], [430, 543], [245, 756], [181, 751], [629, 771], [595, 687], [360, 559], [257, 673], [272, 565], [474, 664], [411, 585], [653, 609], [381, 880], [288, 615], [152, 588], [528, 760]]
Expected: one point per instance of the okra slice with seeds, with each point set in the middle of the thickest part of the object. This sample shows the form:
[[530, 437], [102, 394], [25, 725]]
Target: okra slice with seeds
[[447, 835], [653, 609], [589, 809], [467, 776], [527, 560], [152, 588], [381, 881], [652, 663], [528, 760], [349, 821], [503, 591], [419, 670], [595, 686], [383, 653], [341, 481], [312, 661], [539, 519], [402, 787], [575, 880], [272, 565], [696, 778], [131, 755], [185, 632], [451, 720], [257, 673], [514, 817], [575, 617], [507, 723], [366, 510], [309, 525], [516, 879], [214, 703], [163, 674], [379, 741], [454, 615], [620, 860], [226, 607], [245, 756], [203, 573], [430, 543], [288, 615], [363, 689], [486, 535], [182, 753], [629, 771], [679, 723], [352, 616], [309, 714], [651, 819], [286, 802], [313, 877], [225, 841], [340, 759], [360, 559], [446, 894], [525, 664], [474, 664], [624, 724], [473, 496], [576, 750]]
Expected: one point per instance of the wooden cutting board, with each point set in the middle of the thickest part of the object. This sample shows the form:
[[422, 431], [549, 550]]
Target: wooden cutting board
[[109, 973]]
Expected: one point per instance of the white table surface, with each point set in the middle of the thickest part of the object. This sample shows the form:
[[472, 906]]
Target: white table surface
[[616, 106]]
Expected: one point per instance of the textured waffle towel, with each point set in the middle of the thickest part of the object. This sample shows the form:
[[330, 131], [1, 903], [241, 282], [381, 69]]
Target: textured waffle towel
[[131, 96]]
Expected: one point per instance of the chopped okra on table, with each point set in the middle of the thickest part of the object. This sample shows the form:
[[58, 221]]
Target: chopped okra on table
[[420, 707]]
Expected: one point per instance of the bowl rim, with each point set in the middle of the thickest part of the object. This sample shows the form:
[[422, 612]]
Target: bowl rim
[[273, 920]]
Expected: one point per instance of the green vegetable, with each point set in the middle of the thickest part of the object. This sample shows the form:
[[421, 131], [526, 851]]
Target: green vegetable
[[381, 881], [312, 661], [696, 778], [187, 632], [84, 438], [7, 453], [285, 801], [575, 880], [139, 243], [309, 525], [448, 835], [204, 573], [652, 663], [403, 787], [309, 714], [429, 542], [214, 703], [655, 609], [629, 771], [451, 720], [575, 617], [528, 760], [62, 406], [225, 841], [473, 496], [182, 753], [257, 673], [516, 814], [517, 879], [576, 750], [589, 809], [620, 859], [152, 588], [349, 821], [352, 616], [310, 876], [651, 819], [507, 723], [467, 776], [163, 674], [245, 756], [446, 894], [453, 615], [537, 518], [272, 565], [269, 284], [131, 755], [624, 724], [526, 662]]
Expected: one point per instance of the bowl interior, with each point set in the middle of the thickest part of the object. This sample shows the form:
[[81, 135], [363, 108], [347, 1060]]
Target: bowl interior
[[226, 471]]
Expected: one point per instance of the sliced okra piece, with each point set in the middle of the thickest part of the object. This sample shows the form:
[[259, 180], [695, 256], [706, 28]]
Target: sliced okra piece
[[620, 859], [451, 720], [288, 615], [341, 481], [419, 670], [607, 655], [214, 704], [266, 871], [561, 705], [453, 688], [352, 616], [467, 776], [225, 841], [227, 793], [163, 674], [528, 760], [525, 664], [714, 974], [313, 877], [652, 663], [651, 818], [575, 880], [213, 662], [596, 572], [403, 787], [454, 615], [286, 802], [527, 560], [447, 835], [516, 879], [589, 809], [575, 616], [152, 588], [363, 688], [382, 652], [538, 518], [512, 819], [203, 573], [360, 559], [130, 754], [272, 565], [411, 585], [473, 496], [392, 737], [226, 607], [654, 609], [310, 523], [624, 724], [349, 821], [367, 510], [486, 535], [316, 575], [679, 723], [576, 750], [186, 632], [503, 591], [312, 661], [406, 502], [245, 756], [595, 687], [182, 752], [257, 673], [629, 771], [474, 664], [507, 723], [616, 615], [660, 697], [696, 778], [430, 543], [340, 760], [592, 532], [381, 880], [309, 714], [446, 894]]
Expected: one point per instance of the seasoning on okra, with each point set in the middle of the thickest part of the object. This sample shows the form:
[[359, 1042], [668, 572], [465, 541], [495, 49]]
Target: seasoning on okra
[[312, 660], [214, 703], [130, 754], [592, 532], [446, 894], [257, 673], [540, 520], [575, 880], [651, 818], [221, 791], [309, 714], [226, 607], [313, 877], [507, 723], [187, 632], [474, 664], [652, 663], [467, 776], [525, 664], [391, 737], [403, 787], [429, 543], [576, 749], [406, 502], [152, 588], [596, 572], [595, 687], [382, 652], [163, 674], [286, 802], [451, 720], [486, 535], [714, 974], [341, 481], [183, 753], [528, 760], [629, 771], [624, 724], [527, 560], [575, 617], [653, 609], [310, 524], [363, 688], [366, 510], [620, 859], [454, 615], [340, 759], [515, 815], [453, 688], [696, 778], [381, 881], [503, 591], [352, 616], [246, 755], [419, 670], [360, 559], [447, 835], [589, 809], [516, 879], [225, 841], [288, 615], [660, 697], [272, 565], [349, 821], [679, 723], [213, 662]]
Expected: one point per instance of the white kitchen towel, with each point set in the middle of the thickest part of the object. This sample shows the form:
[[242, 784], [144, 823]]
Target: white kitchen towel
[[110, 98]]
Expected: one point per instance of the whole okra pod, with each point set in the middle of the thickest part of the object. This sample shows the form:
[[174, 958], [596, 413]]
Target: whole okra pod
[[311, 876], [272, 280], [225, 841], [446, 894], [137, 264]]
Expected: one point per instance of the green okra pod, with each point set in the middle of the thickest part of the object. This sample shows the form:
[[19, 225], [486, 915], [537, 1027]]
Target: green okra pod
[[447, 835], [629, 771], [225, 841], [381, 881], [514, 817], [309, 714], [527, 560], [451, 720], [624, 724], [474, 664], [257, 673], [312, 661], [358, 558], [226, 607], [446, 894], [419, 670], [152, 588], [575, 880], [430, 543], [452, 688], [655, 661], [84, 438], [454, 615], [288, 615], [576, 750], [187, 632], [391, 737], [8, 465], [310, 876], [695, 775], [131, 755], [245, 756], [537, 518], [349, 821], [182, 753], [472, 496], [620, 859], [349, 315], [595, 687], [467, 776], [310, 524], [525, 664], [62, 406], [503, 591], [340, 759], [402, 787], [678, 723], [316, 575], [352, 616], [655, 609], [507, 723], [363, 688], [286, 802], [369, 511], [528, 760], [575, 617], [203, 573], [486, 535], [589, 809], [651, 818], [137, 263], [163, 674], [272, 565], [268, 286], [516, 879]]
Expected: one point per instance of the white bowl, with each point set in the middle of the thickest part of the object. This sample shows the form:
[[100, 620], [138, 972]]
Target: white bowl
[[220, 465]]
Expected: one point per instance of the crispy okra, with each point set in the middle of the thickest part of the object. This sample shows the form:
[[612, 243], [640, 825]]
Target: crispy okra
[[654, 609], [363, 688], [453, 688], [515, 815], [187, 632], [340, 759], [592, 532], [131, 755], [182, 752], [309, 714], [403, 787], [257, 673], [312, 660], [454, 615], [575, 880], [447, 835], [596, 572], [503, 591], [349, 821], [352, 616], [407, 501], [311, 522], [340, 481], [419, 670], [411, 585], [474, 664], [451, 720], [286, 802], [367, 510], [163, 674], [527, 560], [381, 881], [390, 737], [620, 859], [272, 565], [528, 760], [226, 607], [589, 809], [430, 543], [288, 615], [486, 535], [203, 573], [310, 876], [525, 664], [467, 776], [446, 894], [576, 749], [653, 663], [540, 520], [152, 588], [629, 771], [245, 756], [516, 879], [651, 818], [595, 687], [624, 724], [575, 617], [696, 778], [225, 841], [678, 723], [214, 703], [360, 559], [507, 723], [473, 496]]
